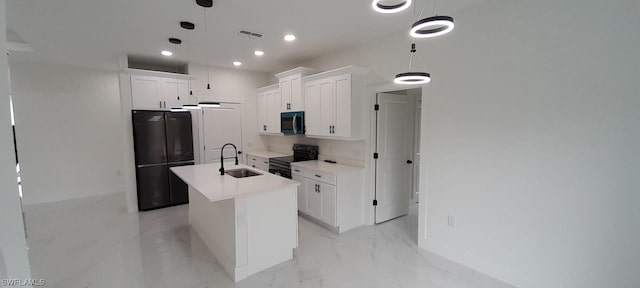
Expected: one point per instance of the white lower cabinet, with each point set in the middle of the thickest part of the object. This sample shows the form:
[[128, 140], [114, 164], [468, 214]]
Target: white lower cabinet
[[333, 199], [258, 162]]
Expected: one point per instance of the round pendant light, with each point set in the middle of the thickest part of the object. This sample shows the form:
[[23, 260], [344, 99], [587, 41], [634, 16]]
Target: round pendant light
[[387, 9], [187, 25], [175, 41], [412, 78], [191, 107], [432, 27], [206, 104], [205, 3]]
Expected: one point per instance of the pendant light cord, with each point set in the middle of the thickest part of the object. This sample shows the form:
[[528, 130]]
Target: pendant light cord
[[206, 34], [413, 51], [189, 59]]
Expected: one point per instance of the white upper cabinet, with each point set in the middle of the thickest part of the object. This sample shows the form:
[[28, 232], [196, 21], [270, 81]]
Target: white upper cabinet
[[269, 103], [327, 106], [290, 85], [273, 111], [335, 104], [175, 92], [312, 116], [145, 92], [262, 113], [153, 92]]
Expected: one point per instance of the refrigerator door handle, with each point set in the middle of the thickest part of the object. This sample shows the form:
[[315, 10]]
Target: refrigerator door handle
[[182, 162], [150, 165]]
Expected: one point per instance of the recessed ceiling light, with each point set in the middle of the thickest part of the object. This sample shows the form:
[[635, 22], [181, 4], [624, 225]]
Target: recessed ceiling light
[[289, 37], [166, 53], [237, 63], [258, 52]]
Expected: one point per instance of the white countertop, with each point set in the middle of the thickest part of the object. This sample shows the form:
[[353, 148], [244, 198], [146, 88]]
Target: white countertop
[[267, 154], [326, 167], [207, 180]]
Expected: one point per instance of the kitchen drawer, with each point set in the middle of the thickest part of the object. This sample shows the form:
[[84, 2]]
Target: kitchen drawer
[[255, 160], [325, 177]]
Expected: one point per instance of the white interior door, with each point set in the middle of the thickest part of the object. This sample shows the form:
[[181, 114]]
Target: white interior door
[[395, 149], [221, 126]]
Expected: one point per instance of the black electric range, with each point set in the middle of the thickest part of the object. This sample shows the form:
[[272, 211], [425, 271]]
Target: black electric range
[[282, 165]]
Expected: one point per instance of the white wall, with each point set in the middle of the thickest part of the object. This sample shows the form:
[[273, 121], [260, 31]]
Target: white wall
[[530, 139], [67, 126], [14, 262]]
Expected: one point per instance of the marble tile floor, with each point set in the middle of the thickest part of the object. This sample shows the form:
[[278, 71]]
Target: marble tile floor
[[94, 242]]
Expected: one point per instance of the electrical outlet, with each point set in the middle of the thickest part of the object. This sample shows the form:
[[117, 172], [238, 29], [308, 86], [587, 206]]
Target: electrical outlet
[[451, 221]]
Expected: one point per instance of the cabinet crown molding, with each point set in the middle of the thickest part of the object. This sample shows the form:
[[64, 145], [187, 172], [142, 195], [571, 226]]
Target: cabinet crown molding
[[300, 70], [351, 69], [267, 88], [157, 74]]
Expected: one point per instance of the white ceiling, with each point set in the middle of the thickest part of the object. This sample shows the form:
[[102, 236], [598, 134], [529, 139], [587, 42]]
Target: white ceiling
[[94, 33]]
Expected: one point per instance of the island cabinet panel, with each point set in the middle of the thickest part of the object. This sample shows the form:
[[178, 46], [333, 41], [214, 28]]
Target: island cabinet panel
[[249, 224], [302, 195], [332, 195]]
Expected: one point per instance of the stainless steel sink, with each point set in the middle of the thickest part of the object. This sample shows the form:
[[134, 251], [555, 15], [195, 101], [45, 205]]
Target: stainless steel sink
[[241, 173]]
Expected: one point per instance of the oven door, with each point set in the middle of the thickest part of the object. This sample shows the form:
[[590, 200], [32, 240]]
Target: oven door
[[292, 123], [286, 173]]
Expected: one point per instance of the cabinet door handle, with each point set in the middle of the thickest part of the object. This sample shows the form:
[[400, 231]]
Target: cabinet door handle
[[296, 170], [319, 176], [318, 188]]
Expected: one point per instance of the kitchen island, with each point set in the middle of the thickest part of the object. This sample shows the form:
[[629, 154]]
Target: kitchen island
[[250, 223]]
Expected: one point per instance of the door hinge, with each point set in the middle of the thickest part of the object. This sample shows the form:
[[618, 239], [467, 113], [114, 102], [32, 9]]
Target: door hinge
[[375, 202], [376, 107], [375, 155]]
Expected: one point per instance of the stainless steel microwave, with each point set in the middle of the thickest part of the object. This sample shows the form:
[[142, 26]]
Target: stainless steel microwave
[[292, 123]]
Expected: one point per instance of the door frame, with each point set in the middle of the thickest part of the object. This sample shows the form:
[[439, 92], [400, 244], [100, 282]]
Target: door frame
[[373, 90], [411, 100]]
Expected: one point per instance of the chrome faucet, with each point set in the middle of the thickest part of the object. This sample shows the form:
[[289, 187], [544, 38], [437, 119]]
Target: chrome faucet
[[222, 157]]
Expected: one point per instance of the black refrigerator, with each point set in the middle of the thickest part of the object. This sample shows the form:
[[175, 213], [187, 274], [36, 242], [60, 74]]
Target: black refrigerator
[[161, 140]]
